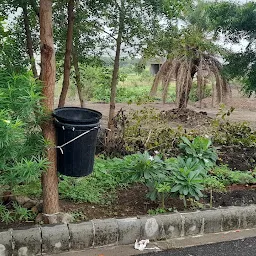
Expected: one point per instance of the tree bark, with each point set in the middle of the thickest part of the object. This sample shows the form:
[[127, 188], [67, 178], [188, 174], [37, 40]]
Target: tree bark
[[115, 73], [67, 61], [186, 87], [48, 73], [29, 40], [77, 76]]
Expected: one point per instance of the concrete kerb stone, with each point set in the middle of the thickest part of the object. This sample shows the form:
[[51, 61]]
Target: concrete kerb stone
[[150, 228], [81, 235], [230, 218], [105, 232], [212, 221], [171, 225], [95, 233], [6, 243], [55, 238], [128, 230], [247, 217], [193, 223], [27, 241]]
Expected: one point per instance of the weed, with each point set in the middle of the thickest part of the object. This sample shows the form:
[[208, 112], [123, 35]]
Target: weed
[[163, 189], [228, 177], [78, 215], [22, 214], [200, 148], [231, 133], [187, 178], [159, 211], [5, 215], [212, 183]]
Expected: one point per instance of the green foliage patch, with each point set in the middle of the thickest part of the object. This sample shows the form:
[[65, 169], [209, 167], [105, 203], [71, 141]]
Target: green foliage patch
[[21, 140], [201, 149]]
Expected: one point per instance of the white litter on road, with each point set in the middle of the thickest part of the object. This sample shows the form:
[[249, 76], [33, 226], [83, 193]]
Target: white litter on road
[[141, 245]]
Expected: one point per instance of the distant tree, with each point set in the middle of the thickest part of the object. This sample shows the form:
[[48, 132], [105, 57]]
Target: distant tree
[[86, 42], [191, 53], [23, 33], [68, 53], [127, 25], [237, 22]]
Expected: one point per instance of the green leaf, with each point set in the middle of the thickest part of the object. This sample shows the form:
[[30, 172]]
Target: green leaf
[[176, 188]]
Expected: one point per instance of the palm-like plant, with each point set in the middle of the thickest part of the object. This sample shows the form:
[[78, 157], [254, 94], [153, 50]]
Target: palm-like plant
[[191, 54]]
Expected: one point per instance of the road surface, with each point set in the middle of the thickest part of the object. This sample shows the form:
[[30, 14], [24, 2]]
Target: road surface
[[232, 243], [242, 247]]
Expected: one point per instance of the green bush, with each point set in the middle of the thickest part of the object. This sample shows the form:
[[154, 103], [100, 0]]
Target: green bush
[[144, 168], [187, 178], [96, 81], [21, 141], [229, 133]]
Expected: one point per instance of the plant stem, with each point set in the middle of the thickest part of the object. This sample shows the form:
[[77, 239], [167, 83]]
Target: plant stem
[[163, 206], [185, 202], [211, 198]]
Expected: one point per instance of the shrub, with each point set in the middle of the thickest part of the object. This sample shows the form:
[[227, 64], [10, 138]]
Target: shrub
[[231, 133], [212, 183], [21, 141], [144, 168], [146, 130], [187, 178]]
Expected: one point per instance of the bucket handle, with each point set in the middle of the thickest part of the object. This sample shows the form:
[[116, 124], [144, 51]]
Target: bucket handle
[[77, 137]]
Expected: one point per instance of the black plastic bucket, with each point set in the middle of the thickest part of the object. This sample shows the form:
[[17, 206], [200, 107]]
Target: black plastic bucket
[[76, 131]]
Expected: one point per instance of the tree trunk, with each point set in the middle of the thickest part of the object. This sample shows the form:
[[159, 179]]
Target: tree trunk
[[115, 73], [48, 73], [186, 87], [29, 40], [67, 61], [77, 76]]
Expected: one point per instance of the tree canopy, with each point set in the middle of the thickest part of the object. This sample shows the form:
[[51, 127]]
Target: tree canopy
[[237, 22], [191, 53]]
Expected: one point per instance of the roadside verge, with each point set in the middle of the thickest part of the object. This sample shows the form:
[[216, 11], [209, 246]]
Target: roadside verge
[[52, 239]]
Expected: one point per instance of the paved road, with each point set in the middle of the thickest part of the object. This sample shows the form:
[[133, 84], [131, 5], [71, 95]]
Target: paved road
[[232, 243], [242, 247]]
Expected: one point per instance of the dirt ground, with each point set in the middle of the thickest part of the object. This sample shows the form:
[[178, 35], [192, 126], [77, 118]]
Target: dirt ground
[[245, 108], [132, 202]]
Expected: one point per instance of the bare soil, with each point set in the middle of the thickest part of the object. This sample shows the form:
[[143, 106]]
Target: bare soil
[[245, 108], [132, 202]]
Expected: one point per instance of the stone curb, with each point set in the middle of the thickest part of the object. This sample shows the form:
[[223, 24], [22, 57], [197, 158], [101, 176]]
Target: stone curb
[[50, 239]]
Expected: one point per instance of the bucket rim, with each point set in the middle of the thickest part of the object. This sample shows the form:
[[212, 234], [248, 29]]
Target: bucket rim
[[80, 126], [68, 121]]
